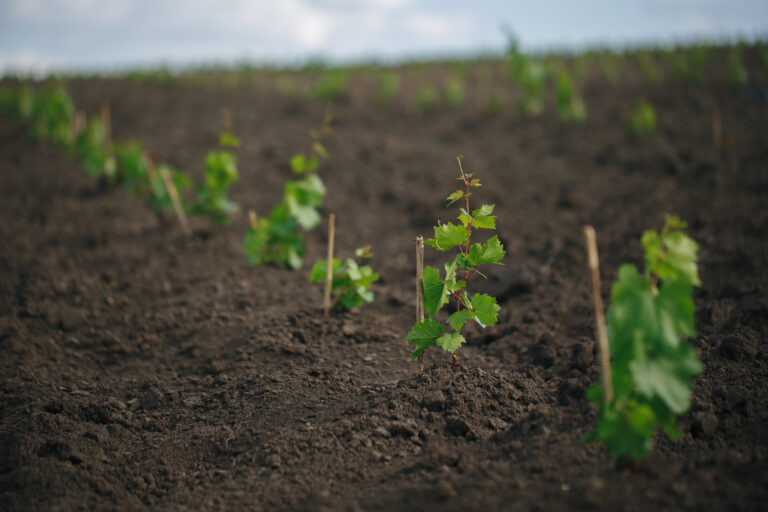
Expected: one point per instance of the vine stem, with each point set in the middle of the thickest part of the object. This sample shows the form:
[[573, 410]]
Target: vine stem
[[467, 275]]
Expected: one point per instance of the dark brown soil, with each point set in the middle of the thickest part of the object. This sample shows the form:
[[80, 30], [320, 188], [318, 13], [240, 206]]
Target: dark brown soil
[[144, 370]]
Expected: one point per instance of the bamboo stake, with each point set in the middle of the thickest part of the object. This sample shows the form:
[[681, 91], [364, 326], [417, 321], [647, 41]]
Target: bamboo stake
[[151, 174], [419, 272], [329, 265], [253, 219], [106, 122], [173, 193], [420, 288], [78, 123], [602, 335]]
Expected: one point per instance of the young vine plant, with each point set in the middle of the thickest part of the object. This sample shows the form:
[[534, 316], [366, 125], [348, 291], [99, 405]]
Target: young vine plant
[[650, 316], [440, 290], [276, 238], [351, 279], [220, 172]]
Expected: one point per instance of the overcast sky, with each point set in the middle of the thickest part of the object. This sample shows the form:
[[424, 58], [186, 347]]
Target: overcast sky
[[40, 35]]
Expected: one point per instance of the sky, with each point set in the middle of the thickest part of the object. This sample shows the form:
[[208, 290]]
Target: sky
[[39, 36]]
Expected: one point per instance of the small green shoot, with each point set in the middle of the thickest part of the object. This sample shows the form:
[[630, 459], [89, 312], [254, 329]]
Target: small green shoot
[[351, 279], [453, 92], [159, 198], [530, 75], [389, 84], [51, 115], [570, 108], [737, 74], [332, 86], [652, 366], [426, 99], [89, 146], [277, 239], [642, 120], [439, 289]]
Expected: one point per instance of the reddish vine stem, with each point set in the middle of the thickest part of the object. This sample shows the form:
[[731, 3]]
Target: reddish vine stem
[[467, 275]]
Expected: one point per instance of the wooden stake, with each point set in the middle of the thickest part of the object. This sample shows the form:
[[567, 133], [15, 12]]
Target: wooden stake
[[151, 174], [419, 272], [420, 289], [253, 219], [173, 193], [106, 122], [329, 266], [602, 335], [78, 123]]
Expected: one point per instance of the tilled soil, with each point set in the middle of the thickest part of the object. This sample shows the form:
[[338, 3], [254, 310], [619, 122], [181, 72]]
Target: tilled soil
[[143, 369]]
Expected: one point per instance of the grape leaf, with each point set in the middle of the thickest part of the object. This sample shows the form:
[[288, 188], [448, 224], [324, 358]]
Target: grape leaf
[[489, 252], [435, 293], [451, 341], [455, 196], [482, 218], [447, 236], [424, 334], [681, 257], [459, 318], [299, 163], [484, 309], [675, 312]]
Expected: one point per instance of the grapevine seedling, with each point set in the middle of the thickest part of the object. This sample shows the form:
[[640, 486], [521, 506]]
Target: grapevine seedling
[[569, 106], [332, 86], [51, 115], [159, 197], [350, 279], [440, 290], [453, 92], [737, 75], [530, 76], [650, 316], [91, 148], [220, 172], [133, 168], [426, 98], [642, 121], [648, 67], [389, 84], [277, 239]]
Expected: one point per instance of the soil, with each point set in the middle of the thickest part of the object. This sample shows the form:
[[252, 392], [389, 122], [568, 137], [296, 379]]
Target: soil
[[143, 369]]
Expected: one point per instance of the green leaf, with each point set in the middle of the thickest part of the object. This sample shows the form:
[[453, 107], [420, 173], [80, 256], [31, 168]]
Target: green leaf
[[320, 150], [484, 309], [668, 379], [447, 236], [299, 163], [459, 318], [482, 218], [459, 194], [424, 334], [319, 270], [681, 257], [489, 252], [675, 311], [435, 292], [671, 255], [302, 197], [227, 139], [450, 342]]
